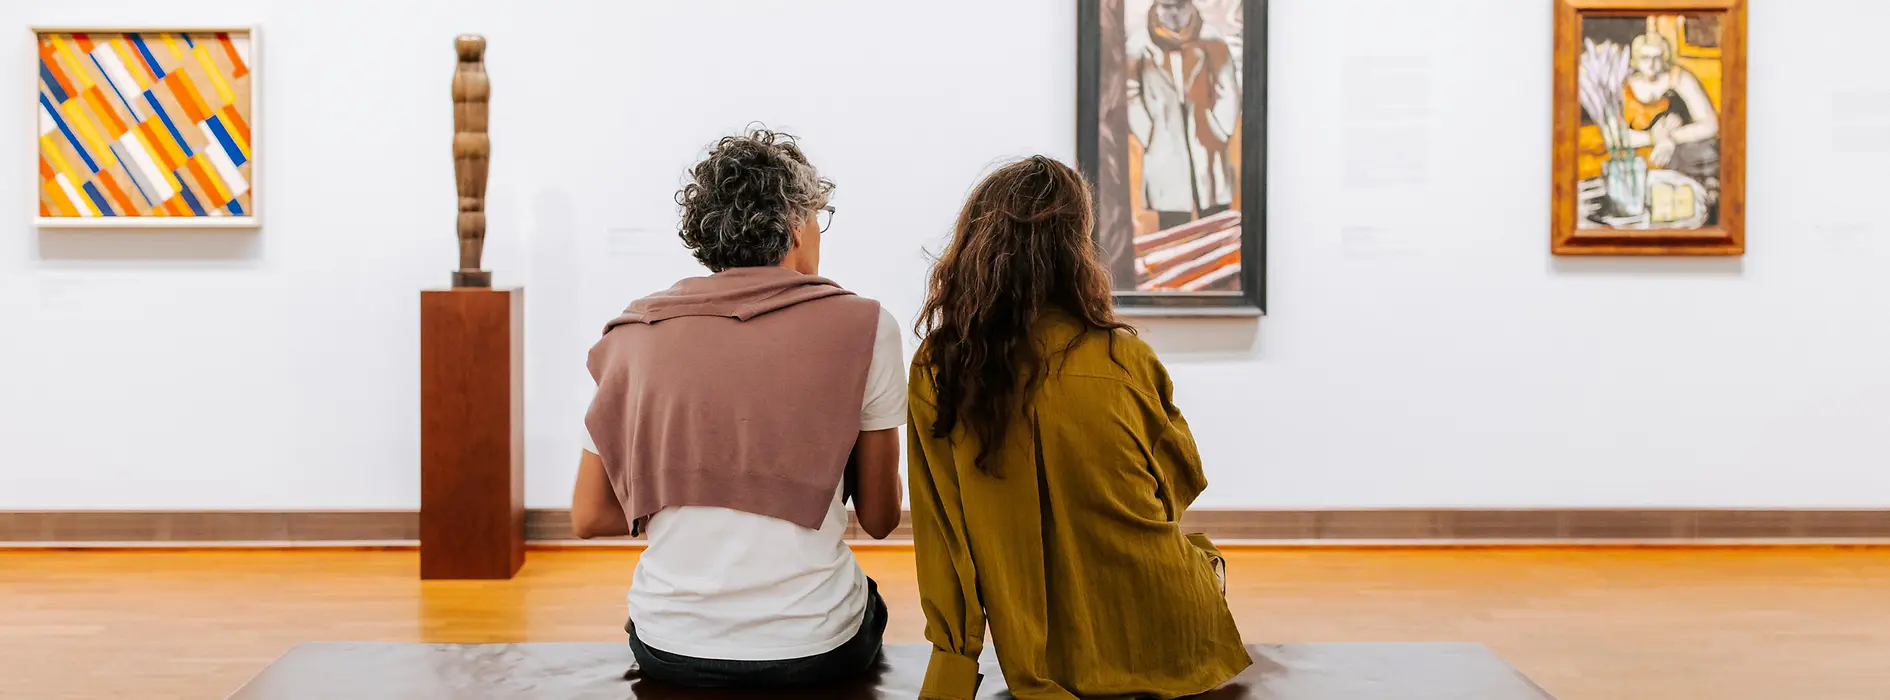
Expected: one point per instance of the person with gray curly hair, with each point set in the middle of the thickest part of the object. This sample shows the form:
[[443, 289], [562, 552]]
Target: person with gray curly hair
[[724, 429], [754, 202]]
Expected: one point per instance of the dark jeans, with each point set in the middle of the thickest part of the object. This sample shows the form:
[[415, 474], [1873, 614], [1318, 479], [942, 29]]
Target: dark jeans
[[844, 662]]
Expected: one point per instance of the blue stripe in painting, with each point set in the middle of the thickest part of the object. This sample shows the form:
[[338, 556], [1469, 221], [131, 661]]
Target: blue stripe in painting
[[235, 208], [120, 93], [52, 83], [187, 41], [91, 190], [223, 136], [129, 176], [189, 198], [61, 123], [138, 41], [166, 117]]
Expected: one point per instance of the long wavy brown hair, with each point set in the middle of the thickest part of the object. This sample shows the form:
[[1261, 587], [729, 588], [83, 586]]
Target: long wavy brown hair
[[1021, 247]]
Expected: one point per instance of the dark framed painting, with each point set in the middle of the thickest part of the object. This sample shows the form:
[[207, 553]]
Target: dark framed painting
[[1650, 127], [1171, 130]]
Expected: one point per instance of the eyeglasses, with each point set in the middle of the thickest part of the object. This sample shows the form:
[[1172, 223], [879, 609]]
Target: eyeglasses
[[825, 217]]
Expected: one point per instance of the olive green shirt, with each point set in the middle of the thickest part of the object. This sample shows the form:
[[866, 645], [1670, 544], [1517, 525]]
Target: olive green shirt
[[1074, 557]]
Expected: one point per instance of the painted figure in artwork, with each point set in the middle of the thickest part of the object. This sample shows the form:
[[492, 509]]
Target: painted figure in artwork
[[1655, 163], [1669, 112], [1184, 104]]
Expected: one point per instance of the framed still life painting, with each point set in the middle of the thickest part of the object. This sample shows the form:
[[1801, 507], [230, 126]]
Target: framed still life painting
[[1650, 127], [1171, 131], [146, 127]]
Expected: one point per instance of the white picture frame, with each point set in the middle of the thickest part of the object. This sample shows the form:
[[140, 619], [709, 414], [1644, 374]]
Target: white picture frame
[[251, 219]]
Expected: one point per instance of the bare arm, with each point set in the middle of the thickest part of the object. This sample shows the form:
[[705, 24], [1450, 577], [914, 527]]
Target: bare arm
[[1705, 124], [595, 511], [874, 469]]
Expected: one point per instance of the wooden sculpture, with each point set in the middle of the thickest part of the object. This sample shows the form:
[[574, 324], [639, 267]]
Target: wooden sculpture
[[472, 150]]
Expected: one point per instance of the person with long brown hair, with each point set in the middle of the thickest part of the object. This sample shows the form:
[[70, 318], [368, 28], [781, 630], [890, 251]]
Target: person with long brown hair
[[1049, 467]]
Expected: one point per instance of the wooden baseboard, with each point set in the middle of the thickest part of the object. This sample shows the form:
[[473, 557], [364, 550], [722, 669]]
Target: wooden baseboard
[[1574, 526]]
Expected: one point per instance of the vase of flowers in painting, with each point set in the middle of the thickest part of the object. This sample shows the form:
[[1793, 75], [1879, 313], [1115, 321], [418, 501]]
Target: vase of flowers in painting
[[1625, 177]]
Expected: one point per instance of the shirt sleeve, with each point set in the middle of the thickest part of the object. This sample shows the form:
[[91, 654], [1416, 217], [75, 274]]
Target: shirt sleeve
[[885, 403], [1176, 456], [948, 581], [590, 443]]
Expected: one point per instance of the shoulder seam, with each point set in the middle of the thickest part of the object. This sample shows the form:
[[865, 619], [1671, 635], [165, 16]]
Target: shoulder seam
[[1118, 380]]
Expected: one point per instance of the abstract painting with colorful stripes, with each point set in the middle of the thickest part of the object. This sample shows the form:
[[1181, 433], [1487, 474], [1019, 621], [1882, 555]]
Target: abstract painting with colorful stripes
[[145, 124]]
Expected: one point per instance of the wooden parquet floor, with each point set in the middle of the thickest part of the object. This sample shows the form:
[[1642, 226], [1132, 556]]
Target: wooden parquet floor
[[1600, 624]]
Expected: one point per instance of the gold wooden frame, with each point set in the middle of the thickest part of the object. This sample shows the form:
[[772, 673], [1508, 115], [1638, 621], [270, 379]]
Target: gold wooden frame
[[252, 220], [1726, 238]]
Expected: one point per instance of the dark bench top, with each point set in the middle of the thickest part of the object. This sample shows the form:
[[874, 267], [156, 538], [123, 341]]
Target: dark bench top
[[373, 670]]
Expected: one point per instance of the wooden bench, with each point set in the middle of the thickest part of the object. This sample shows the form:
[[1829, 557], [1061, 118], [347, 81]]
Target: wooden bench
[[567, 671]]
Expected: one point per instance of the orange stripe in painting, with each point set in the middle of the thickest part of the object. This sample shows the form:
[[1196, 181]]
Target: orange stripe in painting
[[235, 60], [46, 171], [43, 211], [116, 193], [212, 185], [239, 130], [105, 113], [233, 119], [85, 42], [151, 144], [187, 96], [72, 61], [175, 205], [162, 137], [59, 199], [47, 57]]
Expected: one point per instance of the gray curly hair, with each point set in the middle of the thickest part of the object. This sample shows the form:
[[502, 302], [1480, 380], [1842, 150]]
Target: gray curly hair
[[742, 202]]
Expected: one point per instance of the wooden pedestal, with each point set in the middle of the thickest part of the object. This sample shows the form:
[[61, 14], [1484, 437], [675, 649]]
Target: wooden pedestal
[[472, 433]]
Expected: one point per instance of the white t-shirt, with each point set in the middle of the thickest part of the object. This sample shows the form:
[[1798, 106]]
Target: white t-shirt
[[717, 583]]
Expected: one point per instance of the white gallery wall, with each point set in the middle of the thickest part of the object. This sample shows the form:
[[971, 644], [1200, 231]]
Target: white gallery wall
[[1422, 347]]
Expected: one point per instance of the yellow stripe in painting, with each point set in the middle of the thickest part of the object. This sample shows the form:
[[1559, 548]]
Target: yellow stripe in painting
[[216, 76], [59, 198], [77, 115], [72, 60], [59, 162], [163, 138], [133, 64], [170, 40], [107, 117], [206, 174]]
